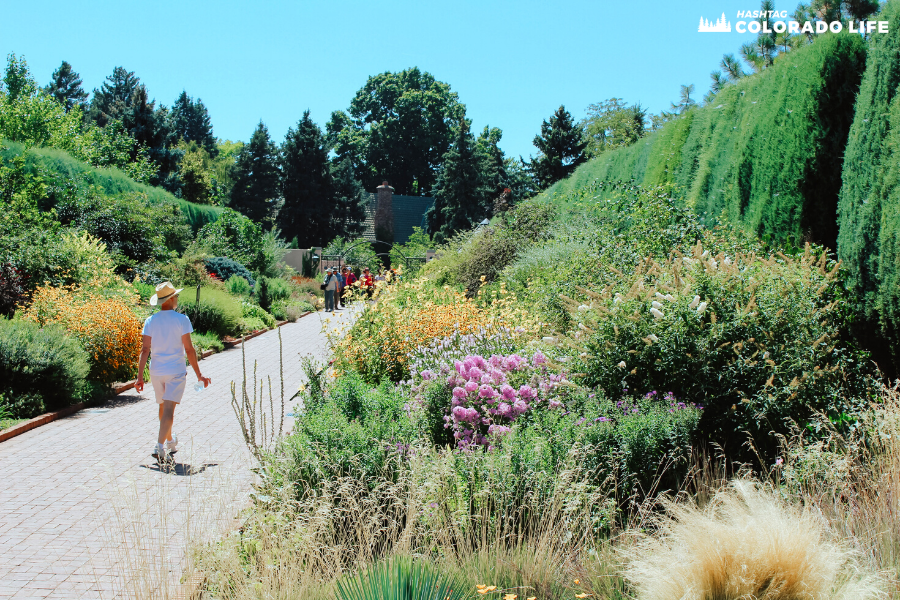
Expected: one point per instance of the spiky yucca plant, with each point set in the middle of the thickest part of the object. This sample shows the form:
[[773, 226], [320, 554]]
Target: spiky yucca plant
[[401, 578]]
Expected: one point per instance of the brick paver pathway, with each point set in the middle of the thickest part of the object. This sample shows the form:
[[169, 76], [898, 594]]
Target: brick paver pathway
[[84, 510]]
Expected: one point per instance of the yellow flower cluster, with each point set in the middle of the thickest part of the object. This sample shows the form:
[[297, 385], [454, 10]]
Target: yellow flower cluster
[[106, 327], [407, 316]]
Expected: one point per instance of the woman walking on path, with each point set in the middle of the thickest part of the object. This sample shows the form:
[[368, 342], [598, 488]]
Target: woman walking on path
[[167, 339]]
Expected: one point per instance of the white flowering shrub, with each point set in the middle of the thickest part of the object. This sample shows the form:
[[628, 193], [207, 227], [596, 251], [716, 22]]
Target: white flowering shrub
[[756, 341]]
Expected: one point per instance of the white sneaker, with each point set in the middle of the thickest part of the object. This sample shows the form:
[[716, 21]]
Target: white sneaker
[[159, 453], [172, 445]]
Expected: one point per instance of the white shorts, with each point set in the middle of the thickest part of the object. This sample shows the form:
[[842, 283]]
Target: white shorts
[[168, 387]]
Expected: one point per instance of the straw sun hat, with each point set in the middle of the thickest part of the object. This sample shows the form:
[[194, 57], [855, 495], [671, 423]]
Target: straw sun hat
[[164, 291]]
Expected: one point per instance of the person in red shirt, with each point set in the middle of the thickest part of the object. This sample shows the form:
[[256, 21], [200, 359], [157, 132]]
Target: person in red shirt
[[350, 278], [367, 281]]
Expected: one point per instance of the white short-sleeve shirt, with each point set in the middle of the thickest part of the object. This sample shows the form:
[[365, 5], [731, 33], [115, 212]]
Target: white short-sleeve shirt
[[165, 329]]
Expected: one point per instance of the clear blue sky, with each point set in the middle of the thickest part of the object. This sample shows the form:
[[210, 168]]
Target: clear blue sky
[[512, 63]]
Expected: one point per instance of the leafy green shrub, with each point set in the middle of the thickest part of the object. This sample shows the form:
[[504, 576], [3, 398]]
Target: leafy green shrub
[[225, 269], [237, 286], [217, 312], [290, 310], [755, 342], [353, 430], [206, 341], [250, 310], [237, 237], [40, 365], [401, 578], [479, 256]]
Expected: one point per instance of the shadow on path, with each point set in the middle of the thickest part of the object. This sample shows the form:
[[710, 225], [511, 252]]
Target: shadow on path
[[179, 469]]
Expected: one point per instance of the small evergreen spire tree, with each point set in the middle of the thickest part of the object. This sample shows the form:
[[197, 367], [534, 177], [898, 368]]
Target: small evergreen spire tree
[[65, 86], [348, 199], [561, 147], [464, 186], [257, 178], [189, 121], [114, 96], [306, 186]]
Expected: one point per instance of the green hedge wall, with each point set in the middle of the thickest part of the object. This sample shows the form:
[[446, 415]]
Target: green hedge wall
[[869, 208], [767, 151], [111, 181]]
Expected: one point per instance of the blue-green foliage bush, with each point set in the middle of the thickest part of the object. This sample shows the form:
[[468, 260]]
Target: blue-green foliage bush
[[869, 240], [767, 150], [41, 368], [225, 269]]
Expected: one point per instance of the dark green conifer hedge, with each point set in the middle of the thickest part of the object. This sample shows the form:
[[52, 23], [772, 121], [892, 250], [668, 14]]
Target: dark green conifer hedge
[[869, 208], [767, 151]]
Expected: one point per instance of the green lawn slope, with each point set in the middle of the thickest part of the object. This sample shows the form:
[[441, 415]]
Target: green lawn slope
[[767, 151], [111, 181]]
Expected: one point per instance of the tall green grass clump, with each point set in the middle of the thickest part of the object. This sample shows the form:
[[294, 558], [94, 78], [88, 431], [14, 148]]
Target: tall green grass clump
[[401, 579], [869, 209], [767, 151]]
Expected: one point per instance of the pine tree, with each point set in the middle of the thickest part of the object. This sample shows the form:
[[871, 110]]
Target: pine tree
[[114, 96], [464, 186], [561, 147], [65, 86], [348, 200], [189, 121], [256, 178], [306, 186]]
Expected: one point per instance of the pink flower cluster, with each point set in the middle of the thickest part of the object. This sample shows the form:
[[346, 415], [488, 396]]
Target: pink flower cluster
[[484, 402]]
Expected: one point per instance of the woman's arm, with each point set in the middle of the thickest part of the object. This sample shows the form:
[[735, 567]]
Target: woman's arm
[[142, 362], [192, 358]]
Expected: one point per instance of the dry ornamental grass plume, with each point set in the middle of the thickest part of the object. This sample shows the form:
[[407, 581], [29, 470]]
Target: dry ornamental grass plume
[[747, 544]]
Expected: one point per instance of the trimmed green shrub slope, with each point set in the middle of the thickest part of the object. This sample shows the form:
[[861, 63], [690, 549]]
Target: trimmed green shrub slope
[[767, 151], [869, 207], [111, 181]]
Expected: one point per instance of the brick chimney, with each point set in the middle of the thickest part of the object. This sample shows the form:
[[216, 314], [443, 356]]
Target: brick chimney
[[384, 214]]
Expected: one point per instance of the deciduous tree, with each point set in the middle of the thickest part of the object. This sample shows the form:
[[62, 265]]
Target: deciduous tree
[[398, 128]]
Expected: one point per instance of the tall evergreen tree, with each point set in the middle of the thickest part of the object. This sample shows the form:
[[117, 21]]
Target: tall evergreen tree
[[561, 147], [348, 200], [464, 187], [189, 121], [65, 86], [306, 186], [114, 97], [257, 178]]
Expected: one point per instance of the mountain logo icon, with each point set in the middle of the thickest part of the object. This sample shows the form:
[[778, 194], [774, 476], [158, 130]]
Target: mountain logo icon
[[720, 26]]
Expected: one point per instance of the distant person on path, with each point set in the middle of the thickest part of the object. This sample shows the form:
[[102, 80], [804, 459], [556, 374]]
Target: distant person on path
[[350, 277], [331, 286], [338, 300], [166, 341], [367, 282], [345, 290]]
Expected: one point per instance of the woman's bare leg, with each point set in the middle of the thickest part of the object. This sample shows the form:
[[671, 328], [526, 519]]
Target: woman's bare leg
[[166, 417]]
